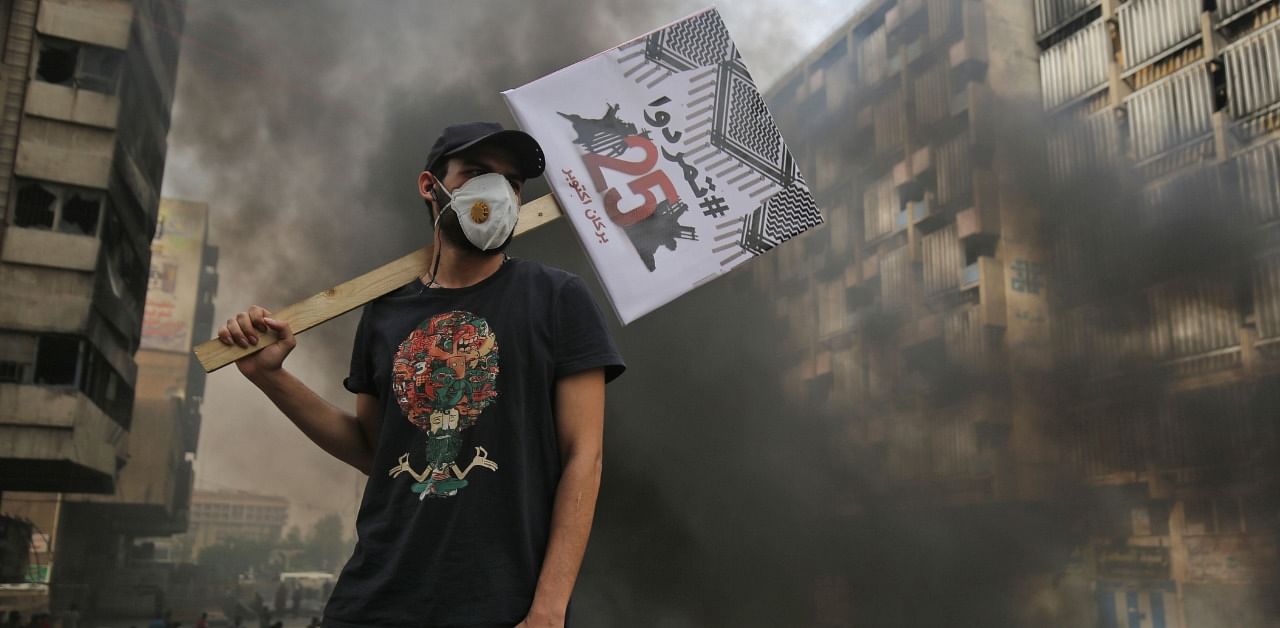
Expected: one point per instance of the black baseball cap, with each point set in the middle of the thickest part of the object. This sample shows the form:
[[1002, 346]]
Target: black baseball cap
[[459, 137]]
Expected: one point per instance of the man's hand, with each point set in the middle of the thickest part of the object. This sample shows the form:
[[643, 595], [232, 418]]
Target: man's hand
[[243, 330]]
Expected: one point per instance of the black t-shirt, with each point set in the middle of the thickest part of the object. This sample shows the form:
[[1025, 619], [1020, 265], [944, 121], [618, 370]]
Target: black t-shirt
[[457, 509]]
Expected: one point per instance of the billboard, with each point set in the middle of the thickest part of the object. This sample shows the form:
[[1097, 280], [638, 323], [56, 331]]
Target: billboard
[[177, 254]]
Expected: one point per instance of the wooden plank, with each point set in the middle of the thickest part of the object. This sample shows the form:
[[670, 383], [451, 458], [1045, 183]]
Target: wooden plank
[[354, 293]]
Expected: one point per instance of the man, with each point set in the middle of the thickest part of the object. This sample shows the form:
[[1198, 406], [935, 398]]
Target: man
[[479, 412]]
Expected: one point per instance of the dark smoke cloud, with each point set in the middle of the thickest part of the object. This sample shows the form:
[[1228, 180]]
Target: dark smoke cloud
[[304, 125]]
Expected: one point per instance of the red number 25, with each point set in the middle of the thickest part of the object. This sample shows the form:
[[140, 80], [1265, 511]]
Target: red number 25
[[645, 182]]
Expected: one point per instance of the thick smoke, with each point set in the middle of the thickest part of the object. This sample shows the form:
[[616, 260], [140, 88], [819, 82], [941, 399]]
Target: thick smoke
[[724, 503], [304, 126]]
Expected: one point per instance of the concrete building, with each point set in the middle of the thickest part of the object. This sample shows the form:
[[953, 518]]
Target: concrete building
[[88, 88], [154, 487], [919, 316], [221, 515], [1166, 298], [1040, 321]]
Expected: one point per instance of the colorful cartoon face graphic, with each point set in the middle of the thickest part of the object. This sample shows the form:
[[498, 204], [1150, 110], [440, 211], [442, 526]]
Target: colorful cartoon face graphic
[[444, 375], [449, 362]]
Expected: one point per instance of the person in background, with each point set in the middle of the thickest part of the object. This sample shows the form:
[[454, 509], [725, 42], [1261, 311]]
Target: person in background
[[282, 599]]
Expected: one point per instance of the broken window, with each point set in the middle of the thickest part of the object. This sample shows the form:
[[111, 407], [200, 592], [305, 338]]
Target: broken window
[[76, 64], [56, 360], [57, 61], [80, 214], [35, 207], [41, 205]]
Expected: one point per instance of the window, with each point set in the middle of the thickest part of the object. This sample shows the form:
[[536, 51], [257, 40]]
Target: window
[[57, 359], [70, 361], [41, 205], [17, 356], [76, 64]]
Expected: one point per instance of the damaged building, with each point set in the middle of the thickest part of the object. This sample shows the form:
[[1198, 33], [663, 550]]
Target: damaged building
[[90, 454], [1041, 322]]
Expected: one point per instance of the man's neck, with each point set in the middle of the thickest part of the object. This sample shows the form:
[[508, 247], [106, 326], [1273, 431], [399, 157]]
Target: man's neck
[[460, 269]]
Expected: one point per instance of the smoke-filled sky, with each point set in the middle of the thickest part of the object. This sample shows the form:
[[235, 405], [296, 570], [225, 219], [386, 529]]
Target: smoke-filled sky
[[304, 125]]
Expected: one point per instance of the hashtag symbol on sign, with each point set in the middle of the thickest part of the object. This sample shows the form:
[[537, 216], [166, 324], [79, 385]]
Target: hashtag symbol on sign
[[713, 206]]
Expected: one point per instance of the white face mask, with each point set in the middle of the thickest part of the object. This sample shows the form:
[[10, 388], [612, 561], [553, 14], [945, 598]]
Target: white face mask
[[487, 209]]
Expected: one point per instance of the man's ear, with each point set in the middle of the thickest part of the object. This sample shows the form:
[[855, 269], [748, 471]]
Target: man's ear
[[426, 185]]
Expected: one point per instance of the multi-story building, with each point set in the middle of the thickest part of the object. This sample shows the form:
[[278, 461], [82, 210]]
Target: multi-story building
[[1166, 297], [153, 490], [1041, 315], [221, 515], [88, 89], [918, 317]]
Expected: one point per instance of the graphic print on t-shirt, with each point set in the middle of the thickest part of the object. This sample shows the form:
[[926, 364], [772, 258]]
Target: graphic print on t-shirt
[[444, 375]]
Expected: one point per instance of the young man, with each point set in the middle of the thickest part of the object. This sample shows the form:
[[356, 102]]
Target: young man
[[479, 412]]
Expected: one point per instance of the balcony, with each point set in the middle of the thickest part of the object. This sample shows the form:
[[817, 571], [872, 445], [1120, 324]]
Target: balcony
[[1194, 326], [1081, 146], [1075, 67], [880, 207], [1100, 340], [1231, 10], [872, 57], [890, 124], [1171, 113], [55, 439], [69, 104], [1151, 29], [943, 260], [1266, 298], [1053, 14], [906, 19], [100, 23], [987, 277], [1257, 171], [50, 249], [898, 280], [954, 171], [1252, 86]]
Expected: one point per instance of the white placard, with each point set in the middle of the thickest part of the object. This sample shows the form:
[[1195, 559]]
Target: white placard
[[663, 156]]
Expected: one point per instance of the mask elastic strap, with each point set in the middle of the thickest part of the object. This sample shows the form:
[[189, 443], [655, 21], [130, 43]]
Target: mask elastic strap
[[435, 227]]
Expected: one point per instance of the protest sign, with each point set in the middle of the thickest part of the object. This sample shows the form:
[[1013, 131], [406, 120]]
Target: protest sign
[[664, 157]]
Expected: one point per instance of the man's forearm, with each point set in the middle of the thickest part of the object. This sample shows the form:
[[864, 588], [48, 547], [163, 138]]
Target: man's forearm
[[571, 518], [335, 431]]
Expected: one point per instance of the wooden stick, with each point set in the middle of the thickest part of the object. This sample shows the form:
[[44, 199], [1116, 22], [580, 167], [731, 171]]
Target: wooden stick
[[354, 293]]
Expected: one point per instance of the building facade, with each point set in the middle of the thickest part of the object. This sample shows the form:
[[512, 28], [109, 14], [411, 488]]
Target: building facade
[[1165, 297], [221, 515], [152, 499], [1039, 321], [88, 89]]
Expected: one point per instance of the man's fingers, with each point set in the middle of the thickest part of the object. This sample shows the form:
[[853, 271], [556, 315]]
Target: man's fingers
[[246, 327], [233, 329], [281, 328], [256, 316]]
